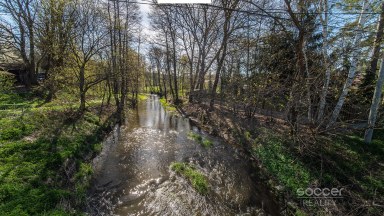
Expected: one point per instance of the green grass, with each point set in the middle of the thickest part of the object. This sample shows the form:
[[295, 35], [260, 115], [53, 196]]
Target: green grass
[[142, 97], [197, 179], [342, 161], [280, 163], [42, 157], [349, 161], [199, 139], [167, 105]]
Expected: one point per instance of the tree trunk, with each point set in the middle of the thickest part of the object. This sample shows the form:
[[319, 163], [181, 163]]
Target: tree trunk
[[169, 67], [351, 75], [375, 104], [324, 91], [371, 70], [294, 98], [82, 88], [223, 54], [159, 76], [308, 85], [174, 67], [32, 61]]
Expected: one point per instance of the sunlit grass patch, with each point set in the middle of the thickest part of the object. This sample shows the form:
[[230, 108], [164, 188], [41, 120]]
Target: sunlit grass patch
[[142, 97], [199, 139], [167, 105], [43, 151], [197, 179]]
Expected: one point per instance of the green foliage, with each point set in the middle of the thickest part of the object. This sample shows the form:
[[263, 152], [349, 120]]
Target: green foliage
[[25, 175], [197, 179], [167, 105], [207, 143], [291, 173], [14, 129], [354, 161], [346, 160], [6, 81], [36, 144], [83, 178], [199, 139], [142, 97]]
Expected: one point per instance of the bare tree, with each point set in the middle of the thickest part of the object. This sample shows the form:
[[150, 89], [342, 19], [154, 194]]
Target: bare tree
[[375, 104], [228, 28], [87, 43], [375, 55], [352, 71], [20, 28], [324, 92]]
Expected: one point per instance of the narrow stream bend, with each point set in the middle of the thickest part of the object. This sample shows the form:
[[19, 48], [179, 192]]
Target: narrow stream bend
[[133, 175]]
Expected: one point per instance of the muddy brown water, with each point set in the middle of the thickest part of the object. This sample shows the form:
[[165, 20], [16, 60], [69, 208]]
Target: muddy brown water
[[133, 176]]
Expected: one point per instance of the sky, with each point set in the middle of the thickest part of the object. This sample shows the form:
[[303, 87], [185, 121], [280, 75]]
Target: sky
[[147, 32]]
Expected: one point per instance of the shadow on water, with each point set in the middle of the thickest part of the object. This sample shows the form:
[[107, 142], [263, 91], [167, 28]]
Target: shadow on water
[[132, 174]]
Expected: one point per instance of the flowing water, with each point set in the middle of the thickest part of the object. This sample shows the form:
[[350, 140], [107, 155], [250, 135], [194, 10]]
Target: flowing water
[[133, 175]]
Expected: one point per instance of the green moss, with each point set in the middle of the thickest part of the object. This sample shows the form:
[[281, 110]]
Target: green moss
[[197, 179]]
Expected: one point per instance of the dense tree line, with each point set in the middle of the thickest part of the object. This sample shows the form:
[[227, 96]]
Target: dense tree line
[[299, 58], [316, 62], [78, 44]]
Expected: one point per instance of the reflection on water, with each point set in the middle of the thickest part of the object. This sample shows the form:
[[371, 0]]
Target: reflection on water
[[132, 175]]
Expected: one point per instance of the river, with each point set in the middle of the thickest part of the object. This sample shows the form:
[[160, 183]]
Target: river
[[133, 176]]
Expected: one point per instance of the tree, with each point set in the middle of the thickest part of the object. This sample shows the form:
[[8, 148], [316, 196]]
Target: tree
[[228, 29], [122, 23], [370, 74], [301, 21], [21, 28], [351, 74], [324, 91], [375, 104], [55, 29], [87, 42]]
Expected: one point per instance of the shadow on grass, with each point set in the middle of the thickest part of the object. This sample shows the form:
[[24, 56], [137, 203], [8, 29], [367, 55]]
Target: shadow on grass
[[345, 161], [49, 175]]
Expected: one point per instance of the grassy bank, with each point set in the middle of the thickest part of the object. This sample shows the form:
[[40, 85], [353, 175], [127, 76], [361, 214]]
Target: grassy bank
[[45, 153], [312, 161], [342, 161]]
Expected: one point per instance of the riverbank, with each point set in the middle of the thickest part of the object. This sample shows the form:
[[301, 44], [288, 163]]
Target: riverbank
[[288, 166], [46, 150]]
